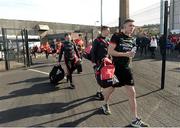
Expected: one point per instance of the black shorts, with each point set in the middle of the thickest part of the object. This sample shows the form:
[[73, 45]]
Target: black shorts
[[124, 75]]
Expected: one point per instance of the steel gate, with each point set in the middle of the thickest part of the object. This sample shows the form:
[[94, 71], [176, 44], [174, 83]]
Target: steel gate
[[15, 49]]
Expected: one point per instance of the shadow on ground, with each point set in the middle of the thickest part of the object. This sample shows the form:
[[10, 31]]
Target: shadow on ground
[[38, 110], [39, 88]]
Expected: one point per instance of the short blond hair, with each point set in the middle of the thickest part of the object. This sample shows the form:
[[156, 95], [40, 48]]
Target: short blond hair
[[128, 20]]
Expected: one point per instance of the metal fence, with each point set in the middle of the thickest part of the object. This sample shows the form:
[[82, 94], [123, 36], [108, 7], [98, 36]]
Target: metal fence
[[15, 48]]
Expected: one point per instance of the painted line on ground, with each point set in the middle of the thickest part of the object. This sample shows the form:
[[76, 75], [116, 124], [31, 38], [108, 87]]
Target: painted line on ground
[[34, 70]]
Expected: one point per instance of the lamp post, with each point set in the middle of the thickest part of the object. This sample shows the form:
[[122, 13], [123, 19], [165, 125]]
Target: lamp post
[[123, 11], [163, 71], [101, 15], [161, 16]]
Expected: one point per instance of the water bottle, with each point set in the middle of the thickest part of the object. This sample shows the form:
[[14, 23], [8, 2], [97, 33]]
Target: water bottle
[[134, 49]]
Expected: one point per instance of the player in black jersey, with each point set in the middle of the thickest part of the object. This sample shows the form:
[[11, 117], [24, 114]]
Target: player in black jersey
[[120, 49], [71, 56]]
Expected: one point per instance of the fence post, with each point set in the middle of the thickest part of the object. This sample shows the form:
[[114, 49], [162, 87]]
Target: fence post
[[17, 45], [22, 35], [4, 35], [27, 47]]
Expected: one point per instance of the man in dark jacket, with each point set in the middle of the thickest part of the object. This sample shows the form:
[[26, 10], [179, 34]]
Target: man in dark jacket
[[71, 56], [99, 51]]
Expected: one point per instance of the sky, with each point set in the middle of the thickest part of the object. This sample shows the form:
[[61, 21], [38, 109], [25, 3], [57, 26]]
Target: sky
[[85, 12]]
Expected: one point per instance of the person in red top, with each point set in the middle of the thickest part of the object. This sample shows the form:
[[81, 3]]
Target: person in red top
[[47, 49], [87, 50], [58, 46], [173, 39], [80, 45]]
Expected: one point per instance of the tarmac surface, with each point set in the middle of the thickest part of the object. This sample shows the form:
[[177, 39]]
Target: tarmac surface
[[28, 99]]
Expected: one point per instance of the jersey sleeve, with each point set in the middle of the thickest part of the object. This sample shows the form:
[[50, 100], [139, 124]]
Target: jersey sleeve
[[93, 50], [61, 52], [114, 39]]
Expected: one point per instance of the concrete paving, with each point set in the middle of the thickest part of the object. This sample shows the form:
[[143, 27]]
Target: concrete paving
[[28, 99]]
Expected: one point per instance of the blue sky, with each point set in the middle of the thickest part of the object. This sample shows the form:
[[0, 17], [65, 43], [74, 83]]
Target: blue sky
[[68, 11]]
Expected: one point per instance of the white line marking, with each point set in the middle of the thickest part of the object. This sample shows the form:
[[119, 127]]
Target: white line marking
[[38, 71]]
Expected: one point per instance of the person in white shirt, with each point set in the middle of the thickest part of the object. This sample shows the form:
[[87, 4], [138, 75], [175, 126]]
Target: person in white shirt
[[153, 46]]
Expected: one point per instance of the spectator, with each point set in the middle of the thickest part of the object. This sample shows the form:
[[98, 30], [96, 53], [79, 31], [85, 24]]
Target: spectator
[[153, 46]]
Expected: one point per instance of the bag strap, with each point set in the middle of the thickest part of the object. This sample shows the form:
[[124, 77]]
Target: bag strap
[[102, 40], [102, 64]]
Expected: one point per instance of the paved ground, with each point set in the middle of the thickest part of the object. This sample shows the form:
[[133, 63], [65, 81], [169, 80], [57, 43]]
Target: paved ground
[[27, 98]]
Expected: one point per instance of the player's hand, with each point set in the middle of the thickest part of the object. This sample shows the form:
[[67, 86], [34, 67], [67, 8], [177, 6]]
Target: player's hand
[[130, 54]]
